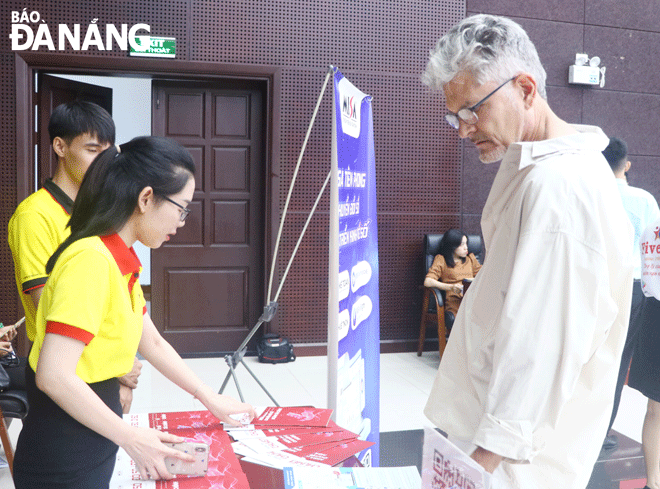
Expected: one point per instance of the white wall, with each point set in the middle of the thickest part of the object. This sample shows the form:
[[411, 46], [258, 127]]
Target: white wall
[[131, 111]]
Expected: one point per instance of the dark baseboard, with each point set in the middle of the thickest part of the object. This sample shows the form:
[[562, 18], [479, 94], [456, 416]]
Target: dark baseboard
[[321, 349], [388, 346], [403, 346]]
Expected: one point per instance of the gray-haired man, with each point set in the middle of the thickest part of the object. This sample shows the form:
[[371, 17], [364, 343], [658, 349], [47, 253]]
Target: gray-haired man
[[528, 376]]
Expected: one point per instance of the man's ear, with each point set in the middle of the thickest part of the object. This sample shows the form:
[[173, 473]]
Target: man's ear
[[145, 199], [527, 84], [59, 146], [627, 166]]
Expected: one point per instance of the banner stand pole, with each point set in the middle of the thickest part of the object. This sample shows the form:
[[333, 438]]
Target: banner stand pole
[[271, 308], [293, 180]]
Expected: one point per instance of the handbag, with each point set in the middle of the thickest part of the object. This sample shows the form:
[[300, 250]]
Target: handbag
[[273, 348], [5, 381], [8, 359]]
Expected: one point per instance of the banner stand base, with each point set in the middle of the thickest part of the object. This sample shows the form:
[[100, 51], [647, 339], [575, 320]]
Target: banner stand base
[[237, 357]]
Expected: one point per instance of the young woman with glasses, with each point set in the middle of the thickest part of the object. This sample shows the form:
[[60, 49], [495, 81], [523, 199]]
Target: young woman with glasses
[[92, 319]]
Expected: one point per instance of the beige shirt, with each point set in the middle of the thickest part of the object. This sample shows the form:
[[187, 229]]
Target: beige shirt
[[531, 365]]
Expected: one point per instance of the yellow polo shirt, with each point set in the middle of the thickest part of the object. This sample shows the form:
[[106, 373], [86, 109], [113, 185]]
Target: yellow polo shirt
[[35, 231], [93, 295]]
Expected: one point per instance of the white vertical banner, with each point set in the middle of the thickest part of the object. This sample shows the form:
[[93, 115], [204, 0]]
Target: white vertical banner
[[353, 298]]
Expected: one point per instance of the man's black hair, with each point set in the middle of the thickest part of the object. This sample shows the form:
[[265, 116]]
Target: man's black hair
[[71, 119], [616, 154]]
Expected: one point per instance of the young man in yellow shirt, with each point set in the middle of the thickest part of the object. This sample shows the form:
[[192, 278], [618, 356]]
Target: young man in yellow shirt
[[78, 132]]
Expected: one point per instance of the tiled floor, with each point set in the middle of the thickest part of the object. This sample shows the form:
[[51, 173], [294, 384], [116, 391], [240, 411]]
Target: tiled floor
[[405, 385]]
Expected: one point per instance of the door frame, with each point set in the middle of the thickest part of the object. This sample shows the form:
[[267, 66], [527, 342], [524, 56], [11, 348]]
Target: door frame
[[27, 65]]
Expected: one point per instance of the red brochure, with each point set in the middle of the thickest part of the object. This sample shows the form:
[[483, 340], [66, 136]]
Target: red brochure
[[314, 438], [292, 416], [304, 450], [336, 453], [294, 430], [183, 420]]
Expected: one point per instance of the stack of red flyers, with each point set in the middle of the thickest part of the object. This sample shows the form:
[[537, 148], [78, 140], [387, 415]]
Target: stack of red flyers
[[224, 470], [305, 432]]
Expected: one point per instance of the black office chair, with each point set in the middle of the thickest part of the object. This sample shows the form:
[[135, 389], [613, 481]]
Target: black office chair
[[434, 310], [13, 404]]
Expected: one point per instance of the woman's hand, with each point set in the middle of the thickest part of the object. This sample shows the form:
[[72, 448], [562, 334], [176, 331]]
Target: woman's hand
[[146, 448], [8, 333], [125, 398], [458, 288], [223, 406], [5, 345], [126, 385], [131, 378]]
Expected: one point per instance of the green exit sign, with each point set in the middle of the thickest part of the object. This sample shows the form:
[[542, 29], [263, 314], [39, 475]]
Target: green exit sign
[[155, 47]]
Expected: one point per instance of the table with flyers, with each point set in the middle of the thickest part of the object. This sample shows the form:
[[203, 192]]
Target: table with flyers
[[279, 437]]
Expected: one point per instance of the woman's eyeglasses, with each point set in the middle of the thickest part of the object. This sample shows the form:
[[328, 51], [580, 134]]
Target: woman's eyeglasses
[[184, 210]]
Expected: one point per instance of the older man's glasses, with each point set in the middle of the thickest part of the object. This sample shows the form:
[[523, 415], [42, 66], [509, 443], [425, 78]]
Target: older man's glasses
[[468, 114], [184, 210]]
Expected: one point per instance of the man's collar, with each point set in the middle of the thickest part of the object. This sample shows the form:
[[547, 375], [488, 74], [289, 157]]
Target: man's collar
[[59, 196], [591, 135], [587, 136], [125, 257]]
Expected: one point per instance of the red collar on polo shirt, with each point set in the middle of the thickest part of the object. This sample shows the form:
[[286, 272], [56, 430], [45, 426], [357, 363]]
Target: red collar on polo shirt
[[126, 259]]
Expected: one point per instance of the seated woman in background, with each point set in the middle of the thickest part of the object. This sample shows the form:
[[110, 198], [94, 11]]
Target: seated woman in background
[[13, 364], [92, 319], [450, 267]]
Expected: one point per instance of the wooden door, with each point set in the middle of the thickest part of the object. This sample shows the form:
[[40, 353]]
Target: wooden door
[[54, 91], [207, 282]]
